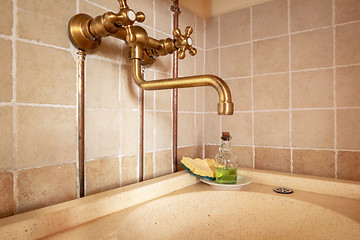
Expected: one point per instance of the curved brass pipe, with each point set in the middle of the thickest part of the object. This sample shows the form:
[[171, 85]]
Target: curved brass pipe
[[225, 105]]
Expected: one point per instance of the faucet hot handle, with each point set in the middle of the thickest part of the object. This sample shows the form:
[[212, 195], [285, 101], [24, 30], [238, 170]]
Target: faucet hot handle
[[184, 42]]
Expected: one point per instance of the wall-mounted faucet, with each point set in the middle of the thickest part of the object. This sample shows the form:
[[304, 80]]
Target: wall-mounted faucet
[[86, 32]]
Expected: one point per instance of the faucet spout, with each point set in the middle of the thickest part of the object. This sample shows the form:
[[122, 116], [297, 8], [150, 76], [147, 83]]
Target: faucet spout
[[225, 104]]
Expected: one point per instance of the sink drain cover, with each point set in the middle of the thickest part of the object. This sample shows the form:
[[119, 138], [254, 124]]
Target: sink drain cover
[[283, 190]]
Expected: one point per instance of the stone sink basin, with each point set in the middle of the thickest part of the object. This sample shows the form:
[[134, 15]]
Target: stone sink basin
[[177, 206]]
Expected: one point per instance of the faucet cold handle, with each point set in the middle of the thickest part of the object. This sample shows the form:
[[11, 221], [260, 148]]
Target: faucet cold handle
[[184, 42]]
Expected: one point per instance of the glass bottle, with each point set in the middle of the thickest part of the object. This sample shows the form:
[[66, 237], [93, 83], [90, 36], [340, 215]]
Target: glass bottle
[[226, 171]]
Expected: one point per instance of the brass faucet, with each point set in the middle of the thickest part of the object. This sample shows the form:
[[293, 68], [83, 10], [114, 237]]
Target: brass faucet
[[86, 33]]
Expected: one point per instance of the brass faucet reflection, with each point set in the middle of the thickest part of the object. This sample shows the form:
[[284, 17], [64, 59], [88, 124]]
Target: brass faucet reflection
[[86, 33]]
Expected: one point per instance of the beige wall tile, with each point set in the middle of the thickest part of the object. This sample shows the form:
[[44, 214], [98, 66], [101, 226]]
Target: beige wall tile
[[273, 159], [45, 75], [102, 175], [271, 55], [240, 127], [149, 131], [186, 128], [271, 92], [270, 19], [212, 128], [6, 19], [199, 151], [129, 170], [46, 135], [163, 163], [144, 6], [128, 90], [7, 194], [349, 165], [313, 128], [149, 165], [347, 10], [307, 14], [199, 118], [51, 30], [163, 97], [149, 95], [211, 151], [186, 98], [235, 61], [163, 18], [129, 132], [199, 32], [63, 10], [102, 133], [89, 8], [6, 137], [313, 162], [187, 18], [55, 14], [6, 91], [272, 128], [348, 44], [45, 186], [235, 27], [102, 87], [240, 93], [187, 65], [312, 89], [111, 48], [211, 99], [211, 30], [348, 128], [348, 86], [199, 62], [163, 128], [245, 156], [312, 49], [199, 96], [212, 62]]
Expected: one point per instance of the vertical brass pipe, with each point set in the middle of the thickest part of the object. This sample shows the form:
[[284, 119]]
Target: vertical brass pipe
[[81, 120], [141, 135], [176, 12]]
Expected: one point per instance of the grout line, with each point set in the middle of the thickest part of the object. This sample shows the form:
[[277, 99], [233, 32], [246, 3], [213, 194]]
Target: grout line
[[252, 85], [14, 108], [6, 36], [97, 5], [119, 122], [43, 105], [334, 89], [203, 96], [39, 43], [286, 110], [154, 103], [77, 127], [219, 67], [290, 93], [97, 57], [294, 148]]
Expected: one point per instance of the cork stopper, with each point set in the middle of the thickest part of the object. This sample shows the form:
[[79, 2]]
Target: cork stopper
[[225, 136]]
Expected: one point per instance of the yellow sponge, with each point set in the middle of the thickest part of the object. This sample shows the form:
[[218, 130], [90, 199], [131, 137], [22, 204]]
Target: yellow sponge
[[199, 167]]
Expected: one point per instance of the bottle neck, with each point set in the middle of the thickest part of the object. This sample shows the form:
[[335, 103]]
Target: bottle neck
[[225, 145]]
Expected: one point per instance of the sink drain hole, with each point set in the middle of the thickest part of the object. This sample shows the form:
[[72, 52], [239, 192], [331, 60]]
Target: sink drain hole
[[283, 190]]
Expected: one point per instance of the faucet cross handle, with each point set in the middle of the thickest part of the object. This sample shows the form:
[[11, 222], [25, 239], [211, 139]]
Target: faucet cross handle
[[184, 42], [126, 18]]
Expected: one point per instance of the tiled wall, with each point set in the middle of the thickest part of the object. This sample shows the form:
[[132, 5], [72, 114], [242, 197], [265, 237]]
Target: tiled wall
[[293, 67], [38, 113]]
